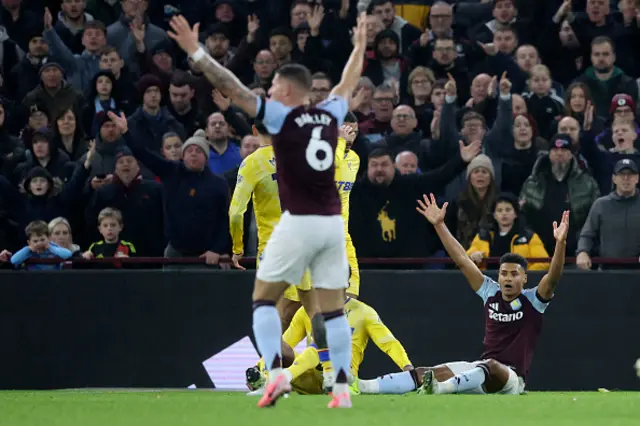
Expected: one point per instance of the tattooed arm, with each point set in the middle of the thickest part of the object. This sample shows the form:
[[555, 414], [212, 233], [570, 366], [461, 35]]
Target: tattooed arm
[[223, 79]]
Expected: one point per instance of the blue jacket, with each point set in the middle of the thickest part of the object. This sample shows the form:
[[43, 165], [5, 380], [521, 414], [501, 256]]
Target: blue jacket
[[195, 203], [79, 69], [53, 251], [228, 160]]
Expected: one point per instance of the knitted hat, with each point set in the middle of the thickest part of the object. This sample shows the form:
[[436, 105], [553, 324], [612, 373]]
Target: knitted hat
[[199, 138], [163, 46], [620, 100], [561, 140], [147, 81], [481, 161], [217, 28], [123, 151], [49, 64]]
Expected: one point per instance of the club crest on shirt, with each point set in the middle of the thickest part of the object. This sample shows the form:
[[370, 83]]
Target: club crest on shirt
[[516, 305]]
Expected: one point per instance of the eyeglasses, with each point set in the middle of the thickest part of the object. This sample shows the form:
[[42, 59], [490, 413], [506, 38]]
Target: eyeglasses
[[421, 82]]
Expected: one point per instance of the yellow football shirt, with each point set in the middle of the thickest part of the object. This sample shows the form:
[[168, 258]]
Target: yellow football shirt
[[256, 181], [347, 166], [365, 324]]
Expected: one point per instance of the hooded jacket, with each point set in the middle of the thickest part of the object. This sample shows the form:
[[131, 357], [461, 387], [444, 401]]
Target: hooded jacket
[[604, 91]]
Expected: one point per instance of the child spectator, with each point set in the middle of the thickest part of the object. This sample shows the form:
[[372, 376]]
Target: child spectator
[[110, 225], [507, 234], [171, 146], [39, 247], [542, 101]]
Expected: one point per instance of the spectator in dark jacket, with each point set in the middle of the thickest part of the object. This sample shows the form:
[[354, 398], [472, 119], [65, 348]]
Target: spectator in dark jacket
[[25, 75], [108, 140], [11, 149], [406, 32], [125, 80], [151, 120], [106, 11], [54, 92], [183, 106], [140, 202], [72, 20], [405, 137], [387, 63], [195, 200], [19, 23], [103, 95], [604, 79], [69, 136], [40, 200]]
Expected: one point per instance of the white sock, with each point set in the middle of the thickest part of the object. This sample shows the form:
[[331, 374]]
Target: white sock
[[396, 383], [465, 381], [288, 375], [369, 386], [267, 330]]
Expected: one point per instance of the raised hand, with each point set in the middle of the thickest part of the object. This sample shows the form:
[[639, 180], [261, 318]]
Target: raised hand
[[48, 19], [493, 86], [424, 38], [430, 210], [317, 16], [253, 25], [451, 88], [477, 257], [505, 84], [490, 49], [471, 151], [560, 231], [120, 121], [360, 32], [564, 9], [348, 133], [435, 125], [588, 117], [90, 154], [138, 29], [184, 35], [220, 100], [5, 256]]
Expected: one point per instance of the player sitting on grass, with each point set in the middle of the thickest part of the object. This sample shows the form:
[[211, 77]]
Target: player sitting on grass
[[365, 323], [513, 315]]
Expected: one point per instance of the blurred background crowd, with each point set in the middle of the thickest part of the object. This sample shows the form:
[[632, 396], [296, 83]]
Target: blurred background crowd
[[548, 87]]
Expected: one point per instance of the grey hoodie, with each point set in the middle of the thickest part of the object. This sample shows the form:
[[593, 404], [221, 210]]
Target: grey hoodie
[[614, 225]]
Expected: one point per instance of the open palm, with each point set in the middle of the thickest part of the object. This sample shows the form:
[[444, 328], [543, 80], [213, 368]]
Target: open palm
[[430, 210], [182, 33], [560, 231]]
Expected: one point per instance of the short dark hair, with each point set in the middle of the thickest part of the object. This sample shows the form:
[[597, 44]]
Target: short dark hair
[[495, 3], [378, 153], [296, 73], [376, 3], [472, 115], [514, 258], [507, 29], [95, 25], [300, 2], [107, 50], [181, 79], [603, 40], [446, 38], [439, 84], [321, 76], [36, 229], [507, 197]]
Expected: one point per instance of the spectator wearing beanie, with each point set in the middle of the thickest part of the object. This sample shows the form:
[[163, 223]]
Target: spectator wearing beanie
[[195, 199], [25, 75], [151, 120], [217, 43], [140, 202], [119, 33], [557, 183], [103, 95], [41, 201], [53, 91], [226, 12], [388, 63], [108, 141], [622, 107], [41, 152], [79, 68], [472, 208]]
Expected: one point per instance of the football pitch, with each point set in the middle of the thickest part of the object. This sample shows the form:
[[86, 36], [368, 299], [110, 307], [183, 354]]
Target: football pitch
[[175, 408]]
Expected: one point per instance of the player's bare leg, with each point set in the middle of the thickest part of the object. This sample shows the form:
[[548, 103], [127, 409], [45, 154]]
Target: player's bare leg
[[331, 304], [287, 309], [490, 374], [267, 330]]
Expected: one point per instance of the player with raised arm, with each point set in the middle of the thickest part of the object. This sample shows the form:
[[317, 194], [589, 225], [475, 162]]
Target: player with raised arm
[[513, 315], [310, 233]]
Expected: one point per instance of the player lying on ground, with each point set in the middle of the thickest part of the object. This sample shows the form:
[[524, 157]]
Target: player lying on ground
[[310, 233], [513, 315], [365, 323]]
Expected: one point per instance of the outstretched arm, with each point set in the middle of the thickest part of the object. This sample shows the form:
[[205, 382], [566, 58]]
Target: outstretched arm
[[223, 79], [549, 282], [430, 210], [353, 69]]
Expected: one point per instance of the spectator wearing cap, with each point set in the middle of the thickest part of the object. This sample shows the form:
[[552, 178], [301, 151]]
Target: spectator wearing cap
[[42, 152], [613, 225], [557, 184], [79, 68], [182, 105], [151, 120], [604, 79], [406, 32], [103, 95], [224, 154], [387, 63], [195, 199], [11, 148], [72, 20], [53, 92], [625, 136], [40, 200], [623, 107], [139, 200], [226, 12], [507, 233], [24, 76], [120, 36], [19, 22], [217, 43]]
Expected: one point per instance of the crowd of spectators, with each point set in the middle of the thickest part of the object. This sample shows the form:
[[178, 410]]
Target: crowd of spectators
[[114, 144]]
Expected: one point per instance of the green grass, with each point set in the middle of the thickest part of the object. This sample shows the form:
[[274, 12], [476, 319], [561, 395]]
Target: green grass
[[175, 408]]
